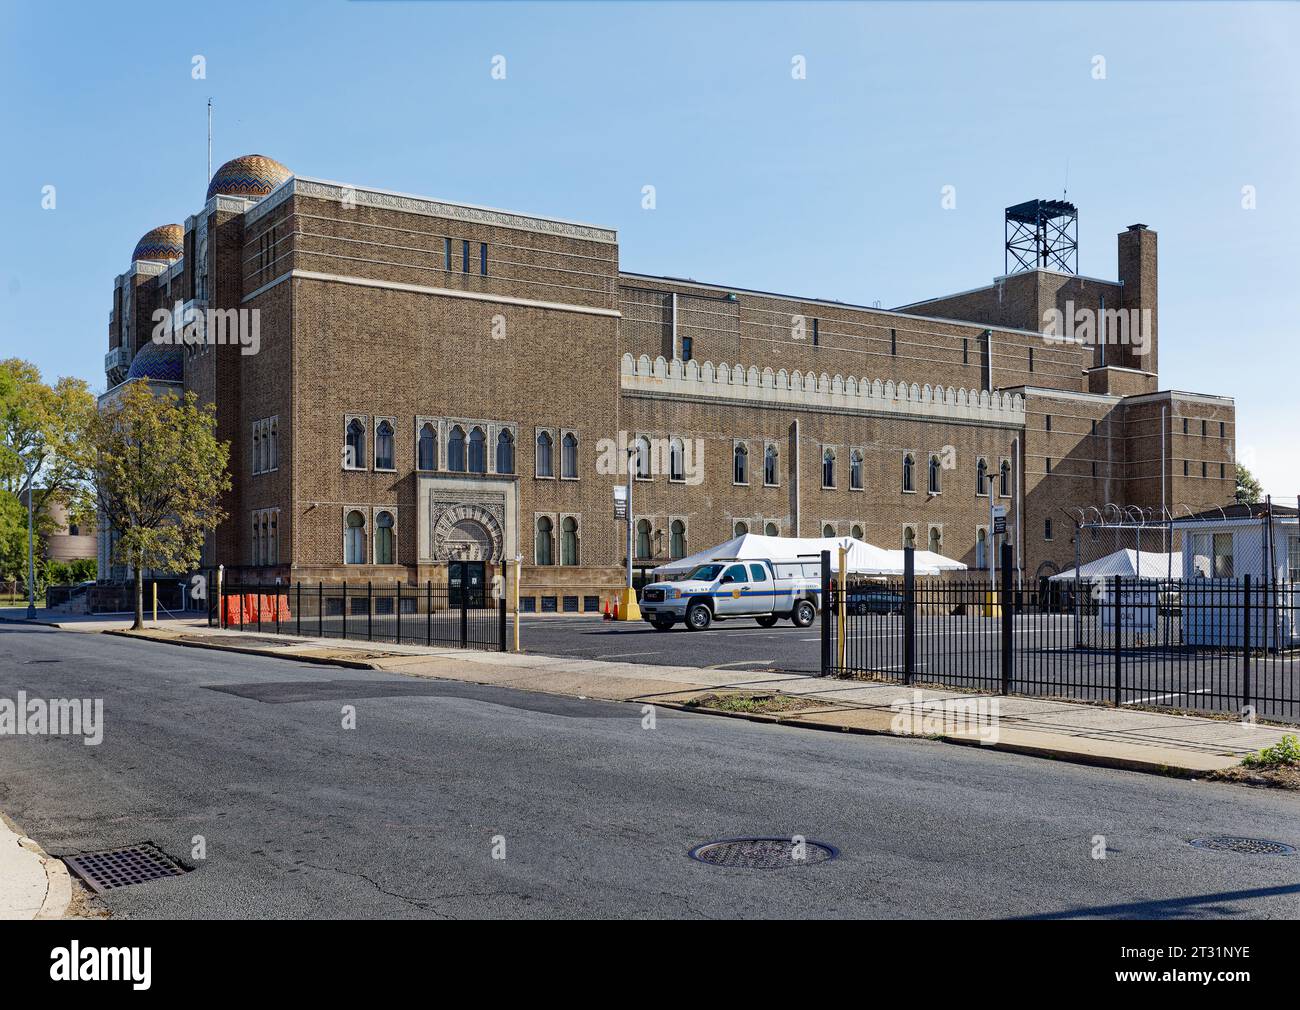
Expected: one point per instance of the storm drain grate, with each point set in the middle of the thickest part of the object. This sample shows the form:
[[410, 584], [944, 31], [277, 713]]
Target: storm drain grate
[[135, 864], [763, 853], [1248, 846]]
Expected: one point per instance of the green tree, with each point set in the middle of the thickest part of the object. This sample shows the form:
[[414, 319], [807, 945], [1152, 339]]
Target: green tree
[[159, 475], [44, 447], [1249, 491]]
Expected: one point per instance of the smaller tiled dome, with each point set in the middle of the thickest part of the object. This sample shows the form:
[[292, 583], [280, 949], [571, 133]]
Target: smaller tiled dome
[[250, 175], [160, 362], [166, 242]]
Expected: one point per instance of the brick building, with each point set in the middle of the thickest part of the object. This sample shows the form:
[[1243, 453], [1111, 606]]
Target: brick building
[[420, 384]]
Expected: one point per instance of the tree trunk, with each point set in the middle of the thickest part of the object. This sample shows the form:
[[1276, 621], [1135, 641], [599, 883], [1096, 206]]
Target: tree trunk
[[139, 599]]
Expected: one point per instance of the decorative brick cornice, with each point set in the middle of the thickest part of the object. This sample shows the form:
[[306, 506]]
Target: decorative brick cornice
[[704, 381], [320, 189]]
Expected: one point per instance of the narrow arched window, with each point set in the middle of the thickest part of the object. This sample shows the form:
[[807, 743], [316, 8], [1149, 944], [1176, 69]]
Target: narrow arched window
[[772, 530], [569, 541], [545, 464], [456, 449], [981, 476], [677, 541], [643, 458], [569, 455], [741, 464], [1004, 479], [643, 538], [934, 475], [354, 539], [356, 447], [545, 541], [384, 446], [257, 447], [676, 460], [936, 539], [428, 447], [855, 470], [273, 446], [740, 529], [505, 452], [909, 536], [981, 544], [856, 532], [828, 530], [477, 451], [828, 468], [385, 546], [770, 459], [908, 465]]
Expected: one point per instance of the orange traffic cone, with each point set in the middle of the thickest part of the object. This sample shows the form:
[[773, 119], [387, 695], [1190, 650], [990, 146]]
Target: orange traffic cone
[[608, 616], [616, 610]]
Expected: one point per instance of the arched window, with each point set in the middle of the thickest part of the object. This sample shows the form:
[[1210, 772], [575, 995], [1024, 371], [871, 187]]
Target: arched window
[[356, 456], [769, 465], [856, 532], [545, 545], [384, 545], [477, 451], [909, 536], [643, 538], [936, 539], [569, 455], [740, 473], [273, 545], [257, 539], [828, 530], [855, 470], [505, 452], [456, 449], [257, 447], [981, 545], [981, 475], [677, 544], [273, 446], [934, 475], [676, 460], [1004, 479], [354, 539], [908, 464], [772, 530], [643, 458], [740, 529], [545, 464], [569, 541], [828, 468], [384, 446], [428, 447]]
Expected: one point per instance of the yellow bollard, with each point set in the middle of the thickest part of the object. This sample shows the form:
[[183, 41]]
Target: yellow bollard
[[155, 603]]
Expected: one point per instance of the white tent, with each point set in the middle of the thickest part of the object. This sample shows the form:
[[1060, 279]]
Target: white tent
[[928, 562], [863, 558], [1128, 563]]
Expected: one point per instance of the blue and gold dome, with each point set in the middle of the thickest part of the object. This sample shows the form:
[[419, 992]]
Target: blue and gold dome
[[160, 362], [250, 175], [166, 242]]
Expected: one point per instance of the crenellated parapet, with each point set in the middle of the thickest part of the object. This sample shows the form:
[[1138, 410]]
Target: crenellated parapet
[[702, 380]]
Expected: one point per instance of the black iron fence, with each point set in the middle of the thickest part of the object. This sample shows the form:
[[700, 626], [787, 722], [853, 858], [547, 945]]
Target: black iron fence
[[1202, 644], [403, 615]]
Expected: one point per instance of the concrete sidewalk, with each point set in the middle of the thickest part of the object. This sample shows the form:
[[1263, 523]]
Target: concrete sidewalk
[[96, 622], [1094, 734], [33, 885]]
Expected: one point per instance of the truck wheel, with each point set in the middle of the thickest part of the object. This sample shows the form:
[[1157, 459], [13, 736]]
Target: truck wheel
[[663, 623], [766, 621], [804, 614], [698, 617]]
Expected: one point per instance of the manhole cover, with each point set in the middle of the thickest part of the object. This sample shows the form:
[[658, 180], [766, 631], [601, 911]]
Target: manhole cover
[[135, 864], [1249, 846], [763, 853]]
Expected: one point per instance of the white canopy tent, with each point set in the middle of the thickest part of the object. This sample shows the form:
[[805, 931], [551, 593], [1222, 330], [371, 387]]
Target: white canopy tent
[[863, 558], [928, 562], [1129, 564]]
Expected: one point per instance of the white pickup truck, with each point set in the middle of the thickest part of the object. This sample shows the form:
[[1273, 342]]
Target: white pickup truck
[[720, 590]]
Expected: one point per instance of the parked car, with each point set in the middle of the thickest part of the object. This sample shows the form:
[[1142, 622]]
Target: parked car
[[765, 590], [873, 601]]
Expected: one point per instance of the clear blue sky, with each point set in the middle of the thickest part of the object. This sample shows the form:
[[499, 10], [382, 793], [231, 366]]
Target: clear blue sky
[[828, 186]]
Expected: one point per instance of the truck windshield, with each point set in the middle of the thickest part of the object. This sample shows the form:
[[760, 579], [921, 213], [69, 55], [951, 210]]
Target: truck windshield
[[706, 573]]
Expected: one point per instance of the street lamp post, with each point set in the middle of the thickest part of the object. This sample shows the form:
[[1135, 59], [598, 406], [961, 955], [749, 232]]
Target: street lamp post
[[31, 553]]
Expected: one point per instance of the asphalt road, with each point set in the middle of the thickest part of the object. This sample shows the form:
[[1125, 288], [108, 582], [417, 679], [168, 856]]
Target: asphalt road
[[396, 818]]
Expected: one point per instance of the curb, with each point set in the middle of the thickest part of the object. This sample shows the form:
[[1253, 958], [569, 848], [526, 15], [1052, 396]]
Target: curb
[[58, 884], [1029, 750]]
